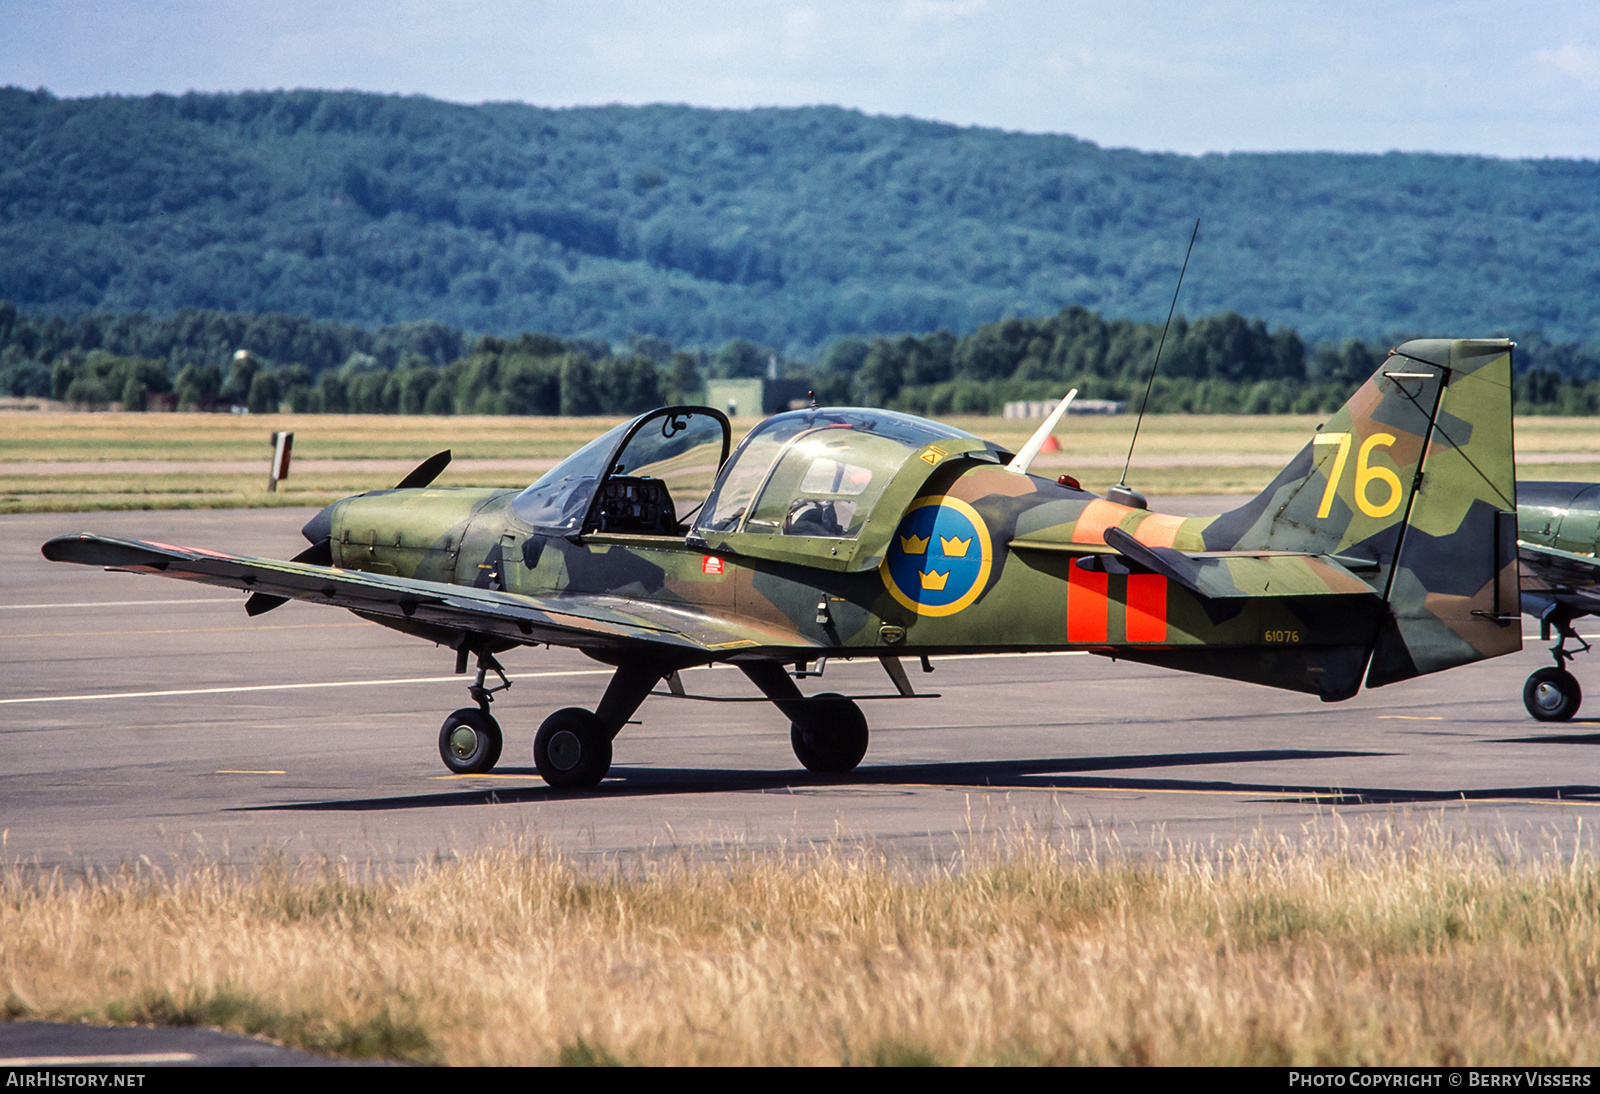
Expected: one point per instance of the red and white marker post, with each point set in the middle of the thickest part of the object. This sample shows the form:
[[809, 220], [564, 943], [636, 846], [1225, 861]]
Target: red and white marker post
[[282, 445]]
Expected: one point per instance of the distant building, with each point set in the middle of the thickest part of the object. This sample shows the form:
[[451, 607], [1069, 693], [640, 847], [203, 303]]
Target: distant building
[[751, 398], [1031, 408]]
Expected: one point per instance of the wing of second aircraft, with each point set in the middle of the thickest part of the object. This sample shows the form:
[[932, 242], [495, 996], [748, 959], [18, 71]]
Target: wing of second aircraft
[[1560, 575]]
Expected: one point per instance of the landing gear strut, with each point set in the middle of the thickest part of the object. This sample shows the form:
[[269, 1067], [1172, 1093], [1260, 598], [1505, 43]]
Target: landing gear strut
[[470, 739], [828, 732], [1553, 694], [572, 749]]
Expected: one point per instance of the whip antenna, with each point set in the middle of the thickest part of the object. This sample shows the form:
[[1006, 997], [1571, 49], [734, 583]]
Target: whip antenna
[[1122, 492]]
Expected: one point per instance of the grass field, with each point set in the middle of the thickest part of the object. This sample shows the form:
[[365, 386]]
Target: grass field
[[1401, 945], [1177, 454]]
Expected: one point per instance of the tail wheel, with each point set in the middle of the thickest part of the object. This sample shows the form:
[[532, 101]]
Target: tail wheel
[[1552, 695], [469, 741], [832, 738], [572, 749]]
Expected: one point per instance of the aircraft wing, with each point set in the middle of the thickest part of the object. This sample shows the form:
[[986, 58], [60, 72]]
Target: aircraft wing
[[1569, 577], [585, 621]]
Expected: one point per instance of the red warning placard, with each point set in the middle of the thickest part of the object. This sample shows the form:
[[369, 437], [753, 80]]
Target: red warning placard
[[711, 565]]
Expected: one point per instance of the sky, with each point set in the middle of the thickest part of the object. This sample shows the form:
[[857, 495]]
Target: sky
[[1492, 78]]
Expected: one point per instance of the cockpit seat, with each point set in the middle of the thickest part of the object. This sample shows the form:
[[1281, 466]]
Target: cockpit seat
[[816, 517], [640, 506]]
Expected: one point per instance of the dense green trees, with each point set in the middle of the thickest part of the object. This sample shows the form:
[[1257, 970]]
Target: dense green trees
[[790, 228], [1218, 364]]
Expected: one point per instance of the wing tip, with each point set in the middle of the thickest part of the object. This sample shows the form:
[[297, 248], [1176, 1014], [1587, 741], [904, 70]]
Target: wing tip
[[61, 548]]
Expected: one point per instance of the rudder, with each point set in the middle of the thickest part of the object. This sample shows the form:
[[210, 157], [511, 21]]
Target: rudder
[[1452, 592]]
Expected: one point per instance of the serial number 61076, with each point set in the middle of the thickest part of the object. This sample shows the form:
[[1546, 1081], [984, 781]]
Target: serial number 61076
[[1282, 636]]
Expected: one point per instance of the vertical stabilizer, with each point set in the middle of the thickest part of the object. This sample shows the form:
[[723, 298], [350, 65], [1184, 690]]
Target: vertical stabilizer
[[1413, 485]]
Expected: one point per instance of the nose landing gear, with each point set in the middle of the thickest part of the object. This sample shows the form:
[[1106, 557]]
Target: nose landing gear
[[470, 739]]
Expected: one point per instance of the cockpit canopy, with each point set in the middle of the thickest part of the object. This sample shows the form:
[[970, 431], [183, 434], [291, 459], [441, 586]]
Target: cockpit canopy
[[816, 472], [809, 474]]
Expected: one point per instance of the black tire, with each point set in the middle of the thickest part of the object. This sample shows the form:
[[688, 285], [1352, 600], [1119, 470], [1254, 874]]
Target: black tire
[[832, 739], [1552, 695], [572, 749], [470, 742]]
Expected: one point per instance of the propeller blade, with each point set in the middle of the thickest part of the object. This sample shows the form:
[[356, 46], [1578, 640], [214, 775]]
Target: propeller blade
[[426, 471], [261, 603], [1024, 458], [318, 554]]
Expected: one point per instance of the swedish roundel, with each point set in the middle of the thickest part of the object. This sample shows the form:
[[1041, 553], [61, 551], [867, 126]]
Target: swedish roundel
[[939, 558]]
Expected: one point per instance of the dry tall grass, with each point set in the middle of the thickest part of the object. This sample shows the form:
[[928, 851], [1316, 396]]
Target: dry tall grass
[[1399, 945]]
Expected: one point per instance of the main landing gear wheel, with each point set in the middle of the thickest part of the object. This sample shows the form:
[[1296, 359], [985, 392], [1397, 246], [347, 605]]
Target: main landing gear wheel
[[833, 736], [1552, 695], [572, 749], [469, 741]]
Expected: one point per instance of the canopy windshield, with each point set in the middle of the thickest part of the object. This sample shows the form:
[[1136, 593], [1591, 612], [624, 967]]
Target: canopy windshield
[[646, 471], [816, 472], [559, 499]]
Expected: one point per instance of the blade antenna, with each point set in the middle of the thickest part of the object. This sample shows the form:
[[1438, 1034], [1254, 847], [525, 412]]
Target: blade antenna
[[1122, 490]]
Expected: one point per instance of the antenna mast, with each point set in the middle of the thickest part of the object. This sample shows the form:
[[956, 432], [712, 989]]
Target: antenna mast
[[1122, 492]]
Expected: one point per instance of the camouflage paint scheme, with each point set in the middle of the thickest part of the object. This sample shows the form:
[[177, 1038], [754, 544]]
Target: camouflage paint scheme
[[1558, 539], [1558, 535], [1384, 550]]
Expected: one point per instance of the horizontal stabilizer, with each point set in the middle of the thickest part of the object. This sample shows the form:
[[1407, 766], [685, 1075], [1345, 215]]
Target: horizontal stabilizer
[[1232, 576], [1175, 565]]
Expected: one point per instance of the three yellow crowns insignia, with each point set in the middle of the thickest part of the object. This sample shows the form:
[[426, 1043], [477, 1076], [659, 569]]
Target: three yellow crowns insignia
[[938, 579], [951, 546], [933, 580]]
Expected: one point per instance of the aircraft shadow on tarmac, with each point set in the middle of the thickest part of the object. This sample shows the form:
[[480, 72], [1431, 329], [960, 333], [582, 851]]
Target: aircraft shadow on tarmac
[[1042, 774], [1553, 739]]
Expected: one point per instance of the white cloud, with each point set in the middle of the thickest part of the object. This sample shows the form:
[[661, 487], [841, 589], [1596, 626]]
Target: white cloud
[[1357, 75], [917, 11], [1578, 61], [800, 32]]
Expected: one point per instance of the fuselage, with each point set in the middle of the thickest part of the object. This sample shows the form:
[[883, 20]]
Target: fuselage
[[982, 559], [1561, 515]]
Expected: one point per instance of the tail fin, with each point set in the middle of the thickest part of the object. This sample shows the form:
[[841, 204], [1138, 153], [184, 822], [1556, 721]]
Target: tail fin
[[1413, 485]]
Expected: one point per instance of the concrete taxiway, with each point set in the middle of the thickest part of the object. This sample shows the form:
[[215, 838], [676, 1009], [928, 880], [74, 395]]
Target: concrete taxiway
[[146, 717]]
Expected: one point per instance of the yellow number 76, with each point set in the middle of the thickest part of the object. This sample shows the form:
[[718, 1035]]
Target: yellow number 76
[[1366, 474]]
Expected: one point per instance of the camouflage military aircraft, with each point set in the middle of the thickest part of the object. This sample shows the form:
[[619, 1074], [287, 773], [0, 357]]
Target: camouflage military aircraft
[[1558, 538], [1386, 549]]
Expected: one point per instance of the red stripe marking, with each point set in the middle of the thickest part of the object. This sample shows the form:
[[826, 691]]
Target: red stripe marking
[[1147, 608], [1086, 605]]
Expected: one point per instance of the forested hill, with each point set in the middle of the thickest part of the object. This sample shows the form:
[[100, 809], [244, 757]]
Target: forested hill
[[788, 226]]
